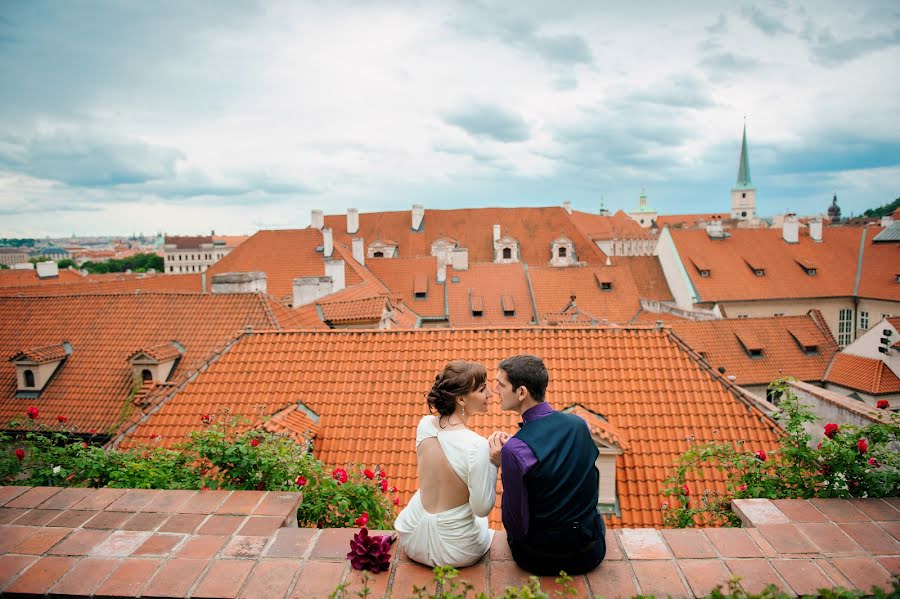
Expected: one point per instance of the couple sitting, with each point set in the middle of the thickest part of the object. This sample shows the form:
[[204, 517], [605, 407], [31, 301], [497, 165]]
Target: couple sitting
[[550, 481]]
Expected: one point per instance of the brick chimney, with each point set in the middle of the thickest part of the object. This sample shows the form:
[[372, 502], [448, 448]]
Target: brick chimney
[[790, 230], [239, 282], [317, 219], [418, 215], [327, 243], [334, 269], [359, 250], [352, 221], [815, 229]]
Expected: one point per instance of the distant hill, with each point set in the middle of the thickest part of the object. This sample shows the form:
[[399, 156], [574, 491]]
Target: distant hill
[[883, 210]]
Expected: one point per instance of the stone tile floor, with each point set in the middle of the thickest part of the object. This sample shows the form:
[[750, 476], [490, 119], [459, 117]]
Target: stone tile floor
[[139, 543]]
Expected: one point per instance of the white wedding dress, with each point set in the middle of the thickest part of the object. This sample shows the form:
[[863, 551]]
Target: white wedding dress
[[459, 536]]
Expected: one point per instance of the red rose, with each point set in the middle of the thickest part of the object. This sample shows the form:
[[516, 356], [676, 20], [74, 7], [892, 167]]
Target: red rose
[[819, 446], [363, 519], [742, 488], [831, 429], [340, 475], [301, 481], [393, 489], [254, 442], [687, 491], [760, 455], [384, 486], [206, 419], [32, 412], [883, 404], [62, 419], [204, 488], [20, 453], [396, 501], [93, 431], [873, 462], [84, 444], [369, 474], [862, 446]]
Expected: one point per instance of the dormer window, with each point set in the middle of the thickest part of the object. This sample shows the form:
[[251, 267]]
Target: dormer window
[[420, 286], [751, 344], [603, 282], [507, 255], [807, 343], [37, 366], [759, 272], [382, 248], [477, 305], [703, 268], [562, 252], [704, 273], [155, 364], [808, 266], [506, 303], [506, 250]]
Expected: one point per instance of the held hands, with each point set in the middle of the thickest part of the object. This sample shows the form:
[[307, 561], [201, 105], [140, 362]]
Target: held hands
[[496, 441]]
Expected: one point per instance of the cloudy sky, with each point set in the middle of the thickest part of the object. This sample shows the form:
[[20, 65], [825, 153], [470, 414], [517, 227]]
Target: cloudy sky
[[121, 117]]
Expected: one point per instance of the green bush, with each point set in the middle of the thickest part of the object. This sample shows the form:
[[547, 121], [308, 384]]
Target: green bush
[[225, 454], [851, 461]]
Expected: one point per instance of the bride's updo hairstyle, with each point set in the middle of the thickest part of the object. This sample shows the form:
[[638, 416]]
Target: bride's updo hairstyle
[[457, 379]]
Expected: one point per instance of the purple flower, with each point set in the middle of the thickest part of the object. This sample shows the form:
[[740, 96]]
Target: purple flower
[[370, 553]]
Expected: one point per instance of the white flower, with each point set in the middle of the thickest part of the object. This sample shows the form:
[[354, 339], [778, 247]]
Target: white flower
[[56, 469]]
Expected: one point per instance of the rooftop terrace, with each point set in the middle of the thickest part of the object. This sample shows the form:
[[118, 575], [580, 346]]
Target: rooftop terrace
[[77, 542]]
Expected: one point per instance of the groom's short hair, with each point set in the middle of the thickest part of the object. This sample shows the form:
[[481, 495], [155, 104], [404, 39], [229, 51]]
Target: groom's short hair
[[527, 371]]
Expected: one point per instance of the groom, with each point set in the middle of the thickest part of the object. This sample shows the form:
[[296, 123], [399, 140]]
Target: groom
[[550, 481]]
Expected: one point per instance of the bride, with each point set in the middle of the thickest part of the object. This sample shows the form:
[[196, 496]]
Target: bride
[[445, 523]]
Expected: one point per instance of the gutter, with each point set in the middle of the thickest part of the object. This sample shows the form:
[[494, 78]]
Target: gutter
[[536, 319]]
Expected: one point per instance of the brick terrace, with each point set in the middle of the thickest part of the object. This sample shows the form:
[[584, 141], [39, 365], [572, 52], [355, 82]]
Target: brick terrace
[[145, 543]]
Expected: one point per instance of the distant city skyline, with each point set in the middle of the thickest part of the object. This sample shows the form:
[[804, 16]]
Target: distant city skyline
[[187, 117]]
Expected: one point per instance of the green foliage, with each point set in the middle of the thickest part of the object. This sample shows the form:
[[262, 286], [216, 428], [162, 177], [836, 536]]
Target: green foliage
[[36, 259], [883, 210], [135, 263], [839, 467], [226, 454], [66, 263]]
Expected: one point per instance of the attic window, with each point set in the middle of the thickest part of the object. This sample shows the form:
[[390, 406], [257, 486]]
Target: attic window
[[156, 363], [36, 367], [808, 266], [507, 255], [808, 343], [759, 272], [751, 344], [562, 252], [604, 283], [897, 279], [378, 255], [702, 267], [477, 305], [29, 378], [420, 286], [509, 308]]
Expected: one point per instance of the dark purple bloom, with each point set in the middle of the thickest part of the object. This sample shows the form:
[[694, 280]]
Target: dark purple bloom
[[370, 553]]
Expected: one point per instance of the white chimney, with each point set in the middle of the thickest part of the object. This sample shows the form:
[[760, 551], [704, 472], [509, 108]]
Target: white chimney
[[459, 259], [352, 221], [335, 270], [239, 282], [317, 219], [327, 243], [418, 215], [441, 270], [359, 250], [815, 229], [496, 233], [326, 286], [790, 230], [714, 229], [47, 269], [306, 290], [567, 206], [887, 220]]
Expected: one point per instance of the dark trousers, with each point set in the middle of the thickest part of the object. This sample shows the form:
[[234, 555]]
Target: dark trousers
[[577, 552]]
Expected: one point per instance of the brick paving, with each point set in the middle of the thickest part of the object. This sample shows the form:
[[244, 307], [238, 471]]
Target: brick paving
[[246, 544]]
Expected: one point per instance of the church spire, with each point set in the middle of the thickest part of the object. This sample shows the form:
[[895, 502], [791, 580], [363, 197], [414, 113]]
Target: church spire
[[743, 177]]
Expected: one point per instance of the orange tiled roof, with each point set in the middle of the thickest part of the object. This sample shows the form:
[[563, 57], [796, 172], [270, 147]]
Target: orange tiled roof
[[42, 355], [294, 422], [731, 279], [283, 255], [361, 310], [779, 338], [617, 226], [688, 221], [163, 352], [599, 426], [186, 242], [231, 241], [304, 317], [648, 277], [368, 389], [554, 287], [104, 330], [647, 317], [15, 277], [110, 284], [534, 228], [486, 285], [880, 267], [863, 374], [400, 275]]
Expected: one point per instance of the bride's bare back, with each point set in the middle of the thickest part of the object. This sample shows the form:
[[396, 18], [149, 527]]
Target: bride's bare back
[[440, 488]]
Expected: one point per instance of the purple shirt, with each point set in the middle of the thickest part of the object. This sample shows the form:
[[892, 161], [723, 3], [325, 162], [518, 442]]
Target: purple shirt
[[517, 460]]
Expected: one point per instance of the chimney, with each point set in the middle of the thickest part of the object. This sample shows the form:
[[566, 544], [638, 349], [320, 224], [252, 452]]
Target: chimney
[[815, 229], [334, 269], [496, 233], [418, 215], [459, 259], [239, 282], [317, 219], [352, 221], [306, 291], [441, 269], [790, 230], [567, 206], [714, 229], [326, 286], [47, 269], [327, 243], [359, 250], [887, 220]]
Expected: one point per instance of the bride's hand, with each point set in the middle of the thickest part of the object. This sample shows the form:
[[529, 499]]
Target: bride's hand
[[496, 441]]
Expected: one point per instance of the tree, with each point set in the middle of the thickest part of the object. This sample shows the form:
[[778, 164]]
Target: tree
[[66, 263], [882, 210]]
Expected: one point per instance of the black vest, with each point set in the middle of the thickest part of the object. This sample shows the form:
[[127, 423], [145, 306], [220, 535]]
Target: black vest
[[563, 487]]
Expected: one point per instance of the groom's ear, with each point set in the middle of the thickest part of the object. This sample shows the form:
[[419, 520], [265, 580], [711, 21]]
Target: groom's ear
[[522, 393]]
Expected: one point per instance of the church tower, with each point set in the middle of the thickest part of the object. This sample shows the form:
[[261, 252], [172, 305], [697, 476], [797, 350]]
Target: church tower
[[743, 194]]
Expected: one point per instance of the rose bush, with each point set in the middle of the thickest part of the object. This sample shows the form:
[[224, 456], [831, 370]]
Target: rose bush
[[850, 461]]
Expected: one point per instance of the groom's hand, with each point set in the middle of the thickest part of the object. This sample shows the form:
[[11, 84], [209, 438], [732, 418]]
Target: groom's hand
[[496, 441]]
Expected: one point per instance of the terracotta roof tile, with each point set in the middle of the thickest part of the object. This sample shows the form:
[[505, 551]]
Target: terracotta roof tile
[[293, 421], [283, 255], [731, 279], [689, 221], [42, 355], [617, 226], [187, 242], [352, 379], [485, 285], [863, 374], [110, 284], [14, 277], [163, 352], [648, 277], [400, 276], [362, 310], [554, 287], [720, 342], [880, 269], [104, 330]]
